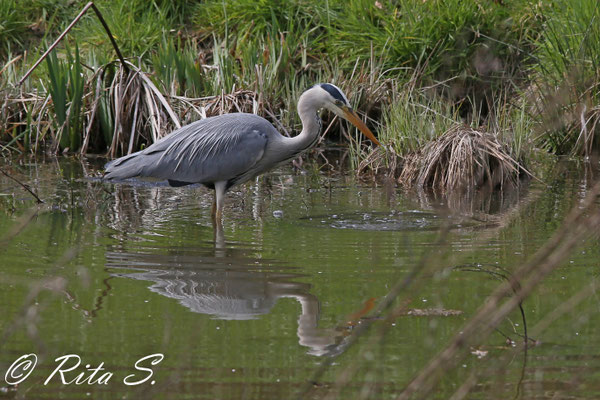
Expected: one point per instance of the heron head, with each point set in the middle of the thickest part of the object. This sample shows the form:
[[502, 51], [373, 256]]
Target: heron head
[[336, 101]]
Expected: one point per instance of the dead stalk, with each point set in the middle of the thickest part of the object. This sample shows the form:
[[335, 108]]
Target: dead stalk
[[23, 185], [64, 33]]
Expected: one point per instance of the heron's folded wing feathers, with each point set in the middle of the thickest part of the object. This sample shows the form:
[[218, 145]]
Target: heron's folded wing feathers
[[210, 150]]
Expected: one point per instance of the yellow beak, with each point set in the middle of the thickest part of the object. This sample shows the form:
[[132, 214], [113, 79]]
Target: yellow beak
[[351, 116]]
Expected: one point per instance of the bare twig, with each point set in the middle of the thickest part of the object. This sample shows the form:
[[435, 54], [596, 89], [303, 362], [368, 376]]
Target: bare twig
[[63, 34], [25, 186], [150, 87]]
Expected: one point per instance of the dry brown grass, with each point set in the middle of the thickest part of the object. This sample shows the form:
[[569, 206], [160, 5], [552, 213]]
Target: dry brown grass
[[382, 160], [238, 101], [139, 113], [137, 105], [141, 109], [588, 139], [23, 113], [462, 159]]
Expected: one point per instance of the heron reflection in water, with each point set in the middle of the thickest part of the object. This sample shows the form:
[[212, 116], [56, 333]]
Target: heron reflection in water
[[213, 286], [227, 150]]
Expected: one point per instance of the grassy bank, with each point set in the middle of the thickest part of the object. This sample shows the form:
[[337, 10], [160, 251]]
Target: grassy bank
[[523, 75]]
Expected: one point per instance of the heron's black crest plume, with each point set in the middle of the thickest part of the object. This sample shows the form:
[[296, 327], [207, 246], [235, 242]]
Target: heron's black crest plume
[[334, 92]]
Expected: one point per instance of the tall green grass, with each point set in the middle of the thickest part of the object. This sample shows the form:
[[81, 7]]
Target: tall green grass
[[24, 22], [414, 119], [570, 46], [474, 42], [138, 26], [178, 68], [66, 88], [12, 26], [466, 62], [568, 73]]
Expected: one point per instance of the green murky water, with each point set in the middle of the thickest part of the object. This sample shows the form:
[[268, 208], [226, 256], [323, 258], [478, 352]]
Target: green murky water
[[115, 273]]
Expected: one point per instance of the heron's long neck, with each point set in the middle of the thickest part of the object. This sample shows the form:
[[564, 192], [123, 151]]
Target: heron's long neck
[[311, 126]]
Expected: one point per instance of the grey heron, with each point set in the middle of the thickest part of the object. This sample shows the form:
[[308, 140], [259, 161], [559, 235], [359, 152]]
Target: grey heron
[[223, 151]]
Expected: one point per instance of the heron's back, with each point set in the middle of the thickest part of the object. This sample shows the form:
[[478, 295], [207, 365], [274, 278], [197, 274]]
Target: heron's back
[[221, 148]]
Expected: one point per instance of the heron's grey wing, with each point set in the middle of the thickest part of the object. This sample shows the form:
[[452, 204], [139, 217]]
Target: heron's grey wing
[[223, 148]]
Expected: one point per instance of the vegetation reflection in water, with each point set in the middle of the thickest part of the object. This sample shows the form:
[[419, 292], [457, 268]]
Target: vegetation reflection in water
[[114, 273]]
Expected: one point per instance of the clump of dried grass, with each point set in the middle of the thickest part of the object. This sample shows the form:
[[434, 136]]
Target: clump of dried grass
[[462, 159], [382, 160], [23, 122], [136, 106], [239, 100]]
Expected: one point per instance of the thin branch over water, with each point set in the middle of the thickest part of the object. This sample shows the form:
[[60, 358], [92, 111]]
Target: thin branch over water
[[64, 33], [25, 186]]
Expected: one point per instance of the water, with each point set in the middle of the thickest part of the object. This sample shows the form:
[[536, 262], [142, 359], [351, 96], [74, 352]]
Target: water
[[115, 273]]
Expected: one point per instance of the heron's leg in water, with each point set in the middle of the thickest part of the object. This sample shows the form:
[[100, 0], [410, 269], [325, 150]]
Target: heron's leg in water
[[217, 211]]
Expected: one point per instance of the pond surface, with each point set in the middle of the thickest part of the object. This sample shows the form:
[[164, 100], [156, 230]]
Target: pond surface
[[112, 273]]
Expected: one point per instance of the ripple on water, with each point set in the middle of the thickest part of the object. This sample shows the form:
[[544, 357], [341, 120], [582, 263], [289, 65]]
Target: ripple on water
[[392, 221]]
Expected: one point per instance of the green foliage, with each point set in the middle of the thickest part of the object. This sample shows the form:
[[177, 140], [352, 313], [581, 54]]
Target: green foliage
[[569, 76], [106, 118], [66, 89], [178, 68], [12, 26], [515, 126], [26, 21], [570, 46], [474, 56], [138, 26], [59, 77], [247, 21], [476, 40], [413, 120], [268, 45]]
